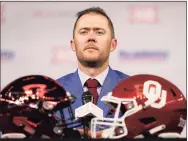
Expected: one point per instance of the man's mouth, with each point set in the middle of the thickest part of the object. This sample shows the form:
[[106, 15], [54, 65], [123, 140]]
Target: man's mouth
[[91, 47]]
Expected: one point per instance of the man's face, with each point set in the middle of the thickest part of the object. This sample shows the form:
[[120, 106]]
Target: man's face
[[93, 41]]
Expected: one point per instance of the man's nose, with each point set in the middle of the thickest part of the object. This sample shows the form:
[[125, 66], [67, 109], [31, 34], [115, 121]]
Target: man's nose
[[92, 37]]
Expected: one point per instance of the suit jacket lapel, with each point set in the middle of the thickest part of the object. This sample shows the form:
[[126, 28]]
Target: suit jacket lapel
[[75, 85]]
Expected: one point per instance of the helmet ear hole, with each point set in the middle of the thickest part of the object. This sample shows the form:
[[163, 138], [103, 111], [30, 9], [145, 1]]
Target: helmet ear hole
[[147, 120]]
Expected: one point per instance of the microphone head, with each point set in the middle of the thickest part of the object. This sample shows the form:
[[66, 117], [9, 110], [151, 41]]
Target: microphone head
[[87, 97]]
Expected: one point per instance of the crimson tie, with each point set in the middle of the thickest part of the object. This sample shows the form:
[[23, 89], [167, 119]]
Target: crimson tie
[[92, 85]]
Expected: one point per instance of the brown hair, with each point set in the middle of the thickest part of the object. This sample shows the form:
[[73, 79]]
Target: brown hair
[[96, 10]]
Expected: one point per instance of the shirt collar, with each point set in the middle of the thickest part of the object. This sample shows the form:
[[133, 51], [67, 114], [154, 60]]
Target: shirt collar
[[101, 77]]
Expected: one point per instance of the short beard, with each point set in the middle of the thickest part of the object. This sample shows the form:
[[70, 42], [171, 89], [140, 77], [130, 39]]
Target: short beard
[[93, 64]]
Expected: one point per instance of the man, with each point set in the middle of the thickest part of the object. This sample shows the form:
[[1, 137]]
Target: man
[[93, 40]]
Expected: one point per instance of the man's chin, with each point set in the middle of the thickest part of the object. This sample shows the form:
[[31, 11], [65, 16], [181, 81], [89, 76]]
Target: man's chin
[[90, 58], [92, 63]]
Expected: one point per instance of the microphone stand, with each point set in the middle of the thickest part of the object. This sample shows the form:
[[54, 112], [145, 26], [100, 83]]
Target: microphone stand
[[85, 130], [86, 125], [86, 97]]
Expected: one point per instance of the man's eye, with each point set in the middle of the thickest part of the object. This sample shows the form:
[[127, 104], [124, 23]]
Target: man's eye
[[83, 32], [100, 32]]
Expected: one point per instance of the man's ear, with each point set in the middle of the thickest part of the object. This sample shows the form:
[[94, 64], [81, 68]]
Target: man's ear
[[72, 45], [113, 44]]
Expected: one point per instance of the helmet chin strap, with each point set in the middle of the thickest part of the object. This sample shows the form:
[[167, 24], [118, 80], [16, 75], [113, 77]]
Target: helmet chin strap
[[169, 135], [139, 137], [157, 129], [151, 133], [12, 136]]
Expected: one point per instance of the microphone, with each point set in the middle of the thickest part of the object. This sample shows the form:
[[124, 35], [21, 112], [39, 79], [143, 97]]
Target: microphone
[[87, 97], [87, 111]]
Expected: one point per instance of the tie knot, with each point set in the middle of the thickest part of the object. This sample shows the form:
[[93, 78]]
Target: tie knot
[[92, 83]]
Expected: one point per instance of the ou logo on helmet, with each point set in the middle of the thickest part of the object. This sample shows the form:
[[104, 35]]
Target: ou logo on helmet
[[152, 90]]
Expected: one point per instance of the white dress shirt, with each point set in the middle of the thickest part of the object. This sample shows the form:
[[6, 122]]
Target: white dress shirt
[[101, 77]]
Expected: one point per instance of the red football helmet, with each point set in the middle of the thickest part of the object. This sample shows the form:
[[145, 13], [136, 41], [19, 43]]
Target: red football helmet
[[28, 106], [144, 106]]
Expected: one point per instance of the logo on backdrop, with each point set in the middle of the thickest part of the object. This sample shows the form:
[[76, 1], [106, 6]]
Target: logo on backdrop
[[7, 56], [53, 14], [62, 55], [2, 13], [143, 55], [143, 14]]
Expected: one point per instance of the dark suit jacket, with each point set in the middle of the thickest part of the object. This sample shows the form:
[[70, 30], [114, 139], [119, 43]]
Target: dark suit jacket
[[71, 82]]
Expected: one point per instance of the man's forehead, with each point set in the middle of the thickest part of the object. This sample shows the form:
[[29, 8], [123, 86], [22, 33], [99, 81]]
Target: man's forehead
[[92, 21]]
